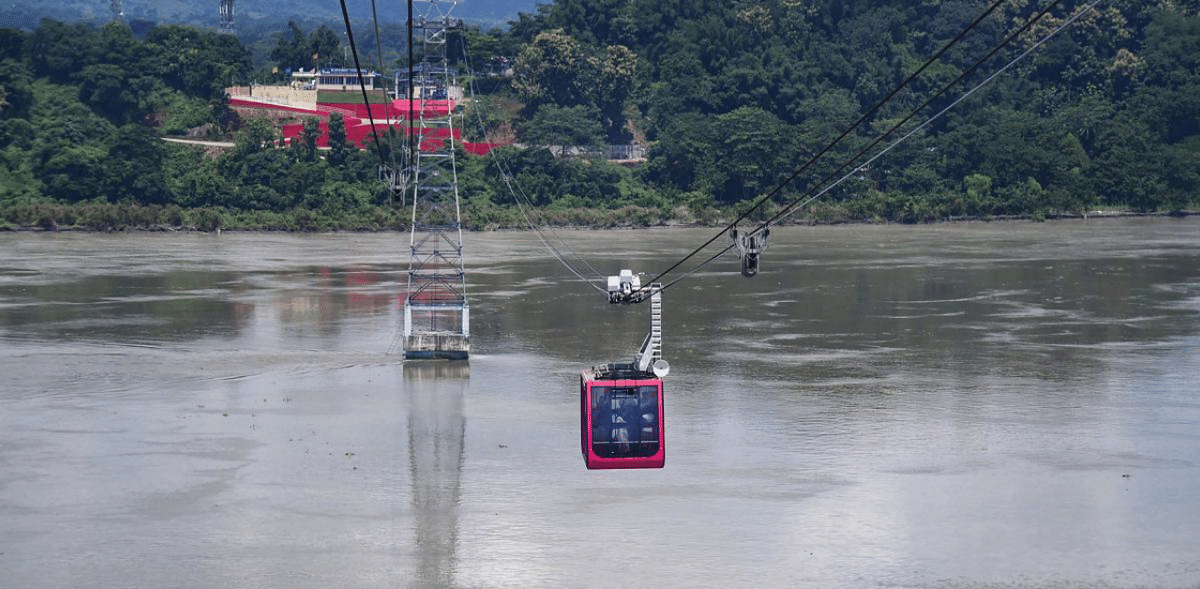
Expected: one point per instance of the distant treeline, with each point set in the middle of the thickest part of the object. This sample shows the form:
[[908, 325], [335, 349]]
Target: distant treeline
[[730, 100]]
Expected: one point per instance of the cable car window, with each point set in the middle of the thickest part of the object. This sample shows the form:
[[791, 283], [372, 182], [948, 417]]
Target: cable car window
[[625, 421]]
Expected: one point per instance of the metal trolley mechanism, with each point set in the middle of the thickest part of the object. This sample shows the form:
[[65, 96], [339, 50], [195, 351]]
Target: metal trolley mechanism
[[750, 246], [621, 404]]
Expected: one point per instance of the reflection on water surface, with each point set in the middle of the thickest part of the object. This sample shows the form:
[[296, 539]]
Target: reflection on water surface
[[959, 405]]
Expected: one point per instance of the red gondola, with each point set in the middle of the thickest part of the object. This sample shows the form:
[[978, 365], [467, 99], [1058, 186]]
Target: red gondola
[[621, 405], [621, 419]]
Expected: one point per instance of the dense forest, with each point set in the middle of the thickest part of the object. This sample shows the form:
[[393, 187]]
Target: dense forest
[[729, 99]]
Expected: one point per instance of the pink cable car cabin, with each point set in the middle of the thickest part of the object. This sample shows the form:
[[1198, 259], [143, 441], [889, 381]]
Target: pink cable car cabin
[[621, 420], [621, 405]]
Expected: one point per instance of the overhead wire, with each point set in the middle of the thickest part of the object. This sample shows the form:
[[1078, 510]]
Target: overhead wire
[[519, 195], [812, 194], [907, 135], [361, 82], [796, 204], [820, 154], [762, 200], [387, 104], [412, 140], [397, 341], [501, 166]]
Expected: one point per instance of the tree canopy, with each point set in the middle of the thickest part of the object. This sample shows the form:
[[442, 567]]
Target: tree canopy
[[737, 95], [728, 100]]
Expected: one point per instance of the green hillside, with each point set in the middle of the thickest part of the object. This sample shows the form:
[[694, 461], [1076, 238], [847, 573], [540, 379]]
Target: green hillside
[[730, 101]]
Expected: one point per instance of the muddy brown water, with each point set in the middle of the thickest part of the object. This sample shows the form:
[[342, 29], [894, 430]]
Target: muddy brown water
[[976, 405]]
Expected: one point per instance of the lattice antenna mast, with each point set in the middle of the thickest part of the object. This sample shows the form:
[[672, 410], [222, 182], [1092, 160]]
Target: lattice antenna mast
[[436, 313], [118, 10], [226, 11]]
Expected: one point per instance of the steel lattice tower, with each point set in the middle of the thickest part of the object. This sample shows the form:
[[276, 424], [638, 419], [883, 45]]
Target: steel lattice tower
[[118, 10], [436, 313], [226, 10]]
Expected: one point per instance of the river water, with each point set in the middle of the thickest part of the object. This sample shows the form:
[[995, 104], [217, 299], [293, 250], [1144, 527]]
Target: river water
[[975, 405]]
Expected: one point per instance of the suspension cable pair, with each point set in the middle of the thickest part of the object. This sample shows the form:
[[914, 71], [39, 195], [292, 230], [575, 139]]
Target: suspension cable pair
[[828, 182], [751, 243]]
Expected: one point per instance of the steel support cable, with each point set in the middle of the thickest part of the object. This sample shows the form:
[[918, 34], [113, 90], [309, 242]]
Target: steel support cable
[[804, 201], [362, 83], [518, 194], [811, 195], [808, 196], [813, 160], [387, 104], [910, 133], [412, 144], [508, 181]]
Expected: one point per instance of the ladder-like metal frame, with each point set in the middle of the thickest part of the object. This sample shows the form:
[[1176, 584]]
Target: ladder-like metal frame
[[437, 320], [622, 289], [651, 351]]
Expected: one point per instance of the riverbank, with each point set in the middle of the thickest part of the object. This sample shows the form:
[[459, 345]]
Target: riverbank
[[109, 217]]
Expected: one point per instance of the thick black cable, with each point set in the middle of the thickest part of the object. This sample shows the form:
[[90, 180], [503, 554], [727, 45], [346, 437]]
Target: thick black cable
[[361, 82], [412, 140], [846, 164], [799, 203], [851, 160], [519, 195], [387, 103], [813, 193], [779, 188]]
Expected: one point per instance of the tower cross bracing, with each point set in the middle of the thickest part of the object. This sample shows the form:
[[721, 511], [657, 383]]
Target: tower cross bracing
[[226, 12], [436, 311]]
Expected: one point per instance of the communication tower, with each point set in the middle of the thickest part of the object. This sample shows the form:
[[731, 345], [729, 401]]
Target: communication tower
[[226, 11], [436, 314], [118, 10]]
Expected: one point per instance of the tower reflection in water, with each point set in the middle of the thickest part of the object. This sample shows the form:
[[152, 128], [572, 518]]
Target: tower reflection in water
[[436, 430]]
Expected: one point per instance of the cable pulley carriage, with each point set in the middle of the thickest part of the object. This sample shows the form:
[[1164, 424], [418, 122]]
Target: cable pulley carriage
[[621, 404], [750, 246]]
